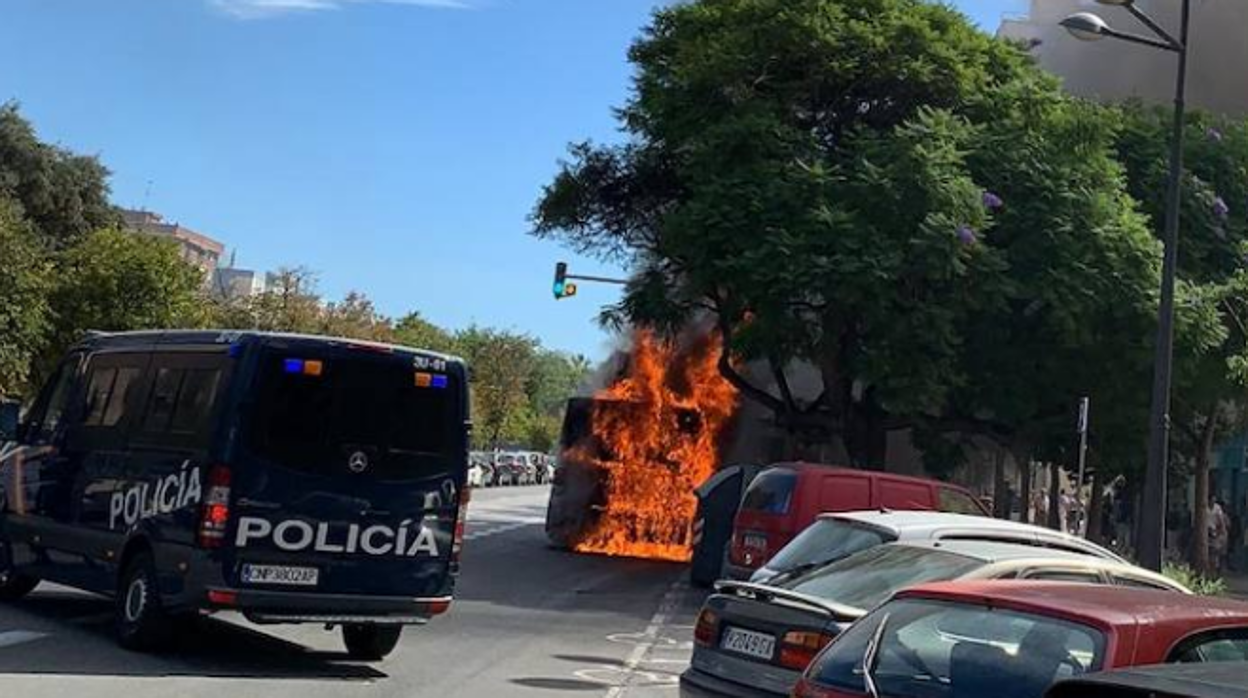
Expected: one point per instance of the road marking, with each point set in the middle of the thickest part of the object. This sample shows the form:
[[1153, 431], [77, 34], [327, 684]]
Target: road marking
[[478, 535], [19, 637], [650, 638]]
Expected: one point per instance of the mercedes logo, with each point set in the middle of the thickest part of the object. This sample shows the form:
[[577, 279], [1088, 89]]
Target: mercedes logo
[[358, 462]]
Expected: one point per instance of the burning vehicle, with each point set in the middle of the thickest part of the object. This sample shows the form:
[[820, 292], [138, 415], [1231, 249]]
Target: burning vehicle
[[632, 455]]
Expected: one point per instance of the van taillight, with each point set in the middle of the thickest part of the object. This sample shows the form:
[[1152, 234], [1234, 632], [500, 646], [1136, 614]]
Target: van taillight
[[215, 512], [457, 543], [808, 689]]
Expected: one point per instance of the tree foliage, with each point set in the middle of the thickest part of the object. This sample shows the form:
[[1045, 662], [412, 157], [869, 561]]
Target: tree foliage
[[62, 195], [25, 317], [877, 189]]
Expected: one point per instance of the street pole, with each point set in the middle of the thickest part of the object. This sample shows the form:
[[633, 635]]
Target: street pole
[[1084, 406], [1151, 544]]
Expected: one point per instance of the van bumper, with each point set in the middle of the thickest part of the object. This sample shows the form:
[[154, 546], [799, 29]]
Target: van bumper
[[263, 606], [737, 573]]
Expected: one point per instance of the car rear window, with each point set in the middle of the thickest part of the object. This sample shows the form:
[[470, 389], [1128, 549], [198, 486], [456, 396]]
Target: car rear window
[[318, 420], [771, 492], [962, 650], [866, 579], [827, 540]]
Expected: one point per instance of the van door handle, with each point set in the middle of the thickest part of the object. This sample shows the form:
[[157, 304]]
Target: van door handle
[[248, 502]]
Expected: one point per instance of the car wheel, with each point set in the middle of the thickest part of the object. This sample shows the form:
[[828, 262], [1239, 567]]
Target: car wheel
[[141, 621], [14, 586], [371, 642]]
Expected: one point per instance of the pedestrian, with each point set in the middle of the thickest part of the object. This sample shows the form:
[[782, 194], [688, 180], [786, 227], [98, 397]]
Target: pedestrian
[[1219, 529], [1040, 507]]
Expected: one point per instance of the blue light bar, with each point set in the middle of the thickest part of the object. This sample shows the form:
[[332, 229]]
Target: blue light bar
[[293, 365], [439, 382]]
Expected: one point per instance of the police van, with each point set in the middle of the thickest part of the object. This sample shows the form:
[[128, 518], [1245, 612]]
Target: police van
[[293, 479]]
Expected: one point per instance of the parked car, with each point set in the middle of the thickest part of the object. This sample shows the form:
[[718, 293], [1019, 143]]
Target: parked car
[[1015, 639], [836, 536], [785, 499], [753, 639], [1219, 679]]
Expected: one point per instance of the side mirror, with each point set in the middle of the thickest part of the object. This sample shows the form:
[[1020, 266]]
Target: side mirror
[[10, 414]]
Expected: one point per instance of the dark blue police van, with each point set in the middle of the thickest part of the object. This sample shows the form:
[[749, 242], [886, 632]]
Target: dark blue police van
[[293, 479]]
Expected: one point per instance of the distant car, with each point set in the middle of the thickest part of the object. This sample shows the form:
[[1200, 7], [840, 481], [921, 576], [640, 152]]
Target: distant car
[[1015, 639], [785, 499], [1219, 679], [754, 639], [835, 536]]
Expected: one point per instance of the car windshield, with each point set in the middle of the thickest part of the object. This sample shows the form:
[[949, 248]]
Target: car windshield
[[828, 540], [318, 419], [866, 579], [933, 648]]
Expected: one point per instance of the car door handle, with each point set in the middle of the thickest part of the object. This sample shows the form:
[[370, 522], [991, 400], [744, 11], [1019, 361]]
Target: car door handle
[[248, 502]]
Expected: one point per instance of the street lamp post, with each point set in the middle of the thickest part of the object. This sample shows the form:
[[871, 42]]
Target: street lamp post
[[1089, 27]]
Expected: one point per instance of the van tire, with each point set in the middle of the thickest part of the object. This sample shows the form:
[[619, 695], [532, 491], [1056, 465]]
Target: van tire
[[371, 643], [14, 586], [141, 622]]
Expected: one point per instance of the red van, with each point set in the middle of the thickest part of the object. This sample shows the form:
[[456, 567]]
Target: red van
[[787, 498]]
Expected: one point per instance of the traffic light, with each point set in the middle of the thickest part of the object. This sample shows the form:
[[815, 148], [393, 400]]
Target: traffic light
[[562, 288]]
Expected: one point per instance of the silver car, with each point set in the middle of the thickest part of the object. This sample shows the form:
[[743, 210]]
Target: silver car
[[754, 639], [835, 536]]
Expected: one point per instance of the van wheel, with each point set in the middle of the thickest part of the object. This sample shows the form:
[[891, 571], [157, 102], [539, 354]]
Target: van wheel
[[14, 586], [141, 621], [371, 642]]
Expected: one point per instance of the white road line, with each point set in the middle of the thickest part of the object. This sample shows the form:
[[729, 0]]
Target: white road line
[[651, 637], [19, 637], [477, 535]]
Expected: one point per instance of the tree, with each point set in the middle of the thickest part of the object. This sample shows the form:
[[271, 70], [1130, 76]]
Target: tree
[[879, 190], [112, 280], [413, 330], [356, 317], [501, 363], [1211, 360], [63, 195], [25, 318]]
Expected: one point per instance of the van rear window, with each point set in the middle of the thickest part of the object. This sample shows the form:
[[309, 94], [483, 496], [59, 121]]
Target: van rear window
[[319, 421], [771, 492]]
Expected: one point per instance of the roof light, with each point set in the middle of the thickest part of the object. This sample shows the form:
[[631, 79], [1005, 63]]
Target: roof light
[[293, 365], [313, 368], [424, 380], [440, 381]]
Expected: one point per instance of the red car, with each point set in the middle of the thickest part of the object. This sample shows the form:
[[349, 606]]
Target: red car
[[785, 499], [1015, 639]]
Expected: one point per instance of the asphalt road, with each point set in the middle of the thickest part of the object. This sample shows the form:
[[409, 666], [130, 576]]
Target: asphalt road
[[527, 621]]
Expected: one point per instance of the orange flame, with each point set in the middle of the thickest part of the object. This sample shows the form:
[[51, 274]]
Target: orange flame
[[661, 440]]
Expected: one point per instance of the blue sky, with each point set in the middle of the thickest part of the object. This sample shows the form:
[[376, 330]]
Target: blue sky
[[394, 147]]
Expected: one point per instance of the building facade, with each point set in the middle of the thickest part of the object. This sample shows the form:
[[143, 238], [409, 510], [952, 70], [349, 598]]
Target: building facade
[[1111, 70], [197, 248], [231, 282]]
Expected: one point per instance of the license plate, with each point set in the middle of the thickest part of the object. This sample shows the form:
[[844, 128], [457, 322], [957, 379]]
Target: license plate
[[281, 575], [755, 541], [749, 643]]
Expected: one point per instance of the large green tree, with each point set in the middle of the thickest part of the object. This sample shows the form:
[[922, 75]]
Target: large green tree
[[25, 318], [113, 280], [880, 190], [63, 195]]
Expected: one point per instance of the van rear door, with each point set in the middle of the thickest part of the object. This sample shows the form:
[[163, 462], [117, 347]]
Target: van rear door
[[351, 468]]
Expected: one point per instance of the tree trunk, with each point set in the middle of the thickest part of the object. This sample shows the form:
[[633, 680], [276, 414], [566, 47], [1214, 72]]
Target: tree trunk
[[1000, 488], [1024, 468], [1096, 503], [1055, 496], [1200, 507]]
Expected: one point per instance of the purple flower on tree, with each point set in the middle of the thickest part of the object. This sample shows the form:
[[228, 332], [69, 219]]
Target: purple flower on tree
[[992, 202], [1220, 209], [967, 236]]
